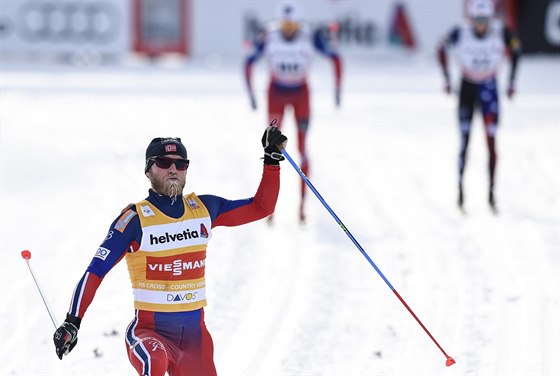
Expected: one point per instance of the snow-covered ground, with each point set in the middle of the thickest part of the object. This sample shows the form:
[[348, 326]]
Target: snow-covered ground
[[286, 299]]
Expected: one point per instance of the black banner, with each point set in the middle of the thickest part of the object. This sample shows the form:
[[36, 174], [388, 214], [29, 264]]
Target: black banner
[[539, 25]]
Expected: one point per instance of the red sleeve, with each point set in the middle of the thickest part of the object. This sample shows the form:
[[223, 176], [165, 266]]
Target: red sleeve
[[442, 59], [89, 283], [258, 207], [248, 75], [83, 294], [337, 70]]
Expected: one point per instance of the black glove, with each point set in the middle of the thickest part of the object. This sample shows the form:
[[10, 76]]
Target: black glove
[[273, 142], [66, 336]]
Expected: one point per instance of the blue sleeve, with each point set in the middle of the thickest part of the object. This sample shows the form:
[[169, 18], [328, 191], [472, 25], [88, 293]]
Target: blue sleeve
[[322, 44], [125, 232], [258, 50], [453, 37]]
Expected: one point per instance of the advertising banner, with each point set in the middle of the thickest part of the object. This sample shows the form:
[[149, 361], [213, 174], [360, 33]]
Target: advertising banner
[[64, 26]]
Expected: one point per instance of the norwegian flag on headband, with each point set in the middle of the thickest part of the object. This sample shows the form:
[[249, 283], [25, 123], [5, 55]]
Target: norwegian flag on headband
[[171, 148]]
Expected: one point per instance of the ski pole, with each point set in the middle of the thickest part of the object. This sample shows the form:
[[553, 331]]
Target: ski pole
[[449, 360], [27, 256]]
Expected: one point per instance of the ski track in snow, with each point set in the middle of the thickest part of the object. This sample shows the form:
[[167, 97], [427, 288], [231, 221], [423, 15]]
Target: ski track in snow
[[289, 299]]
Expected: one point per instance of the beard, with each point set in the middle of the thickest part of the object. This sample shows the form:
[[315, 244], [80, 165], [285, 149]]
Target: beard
[[168, 188]]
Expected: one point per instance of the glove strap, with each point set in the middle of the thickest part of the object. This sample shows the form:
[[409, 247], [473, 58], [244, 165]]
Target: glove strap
[[275, 155]]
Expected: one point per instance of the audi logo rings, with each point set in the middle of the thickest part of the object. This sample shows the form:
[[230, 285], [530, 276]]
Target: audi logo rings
[[68, 22]]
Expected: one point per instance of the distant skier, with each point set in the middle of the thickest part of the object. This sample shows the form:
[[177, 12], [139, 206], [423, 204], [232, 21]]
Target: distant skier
[[163, 239], [289, 47], [479, 47]]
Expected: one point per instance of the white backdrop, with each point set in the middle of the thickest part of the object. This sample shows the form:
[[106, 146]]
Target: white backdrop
[[216, 28]]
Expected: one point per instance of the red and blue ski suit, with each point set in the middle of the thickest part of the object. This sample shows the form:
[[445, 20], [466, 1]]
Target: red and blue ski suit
[[479, 58], [289, 61], [164, 243]]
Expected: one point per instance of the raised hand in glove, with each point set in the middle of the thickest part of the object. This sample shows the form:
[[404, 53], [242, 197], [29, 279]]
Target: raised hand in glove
[[66, 336], [273, 142]]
